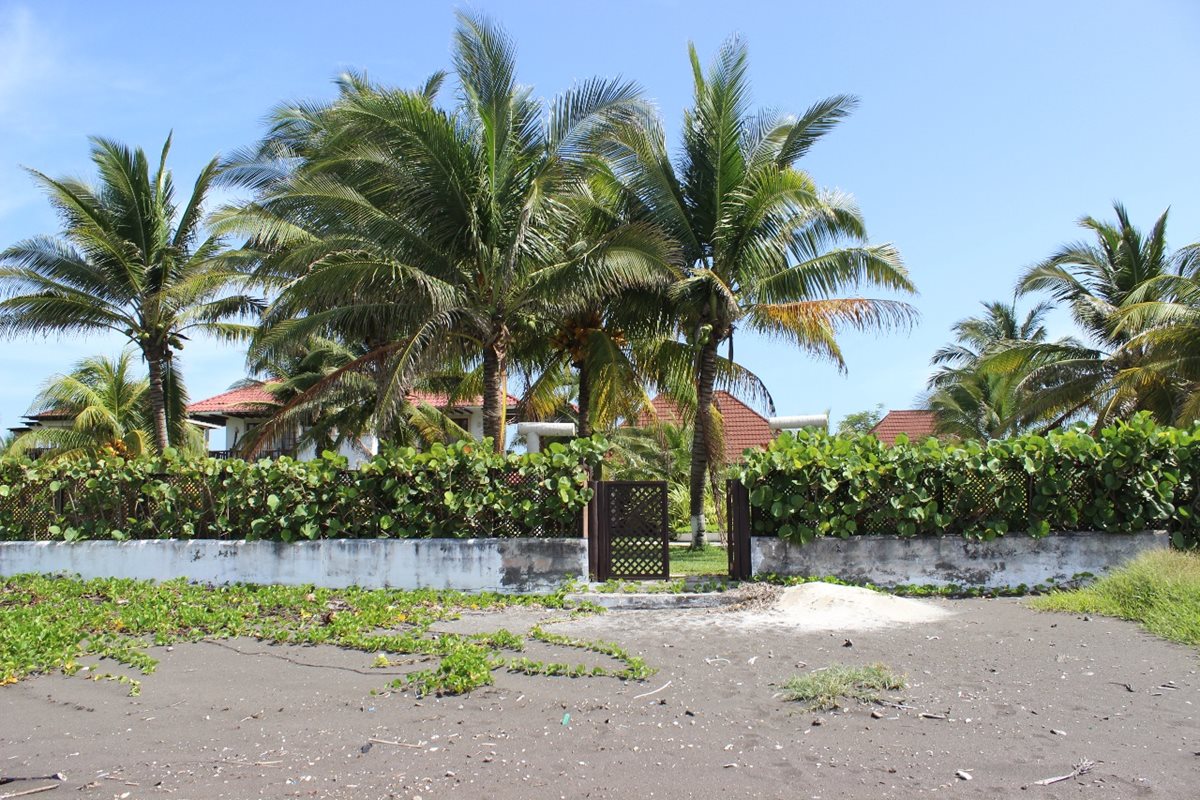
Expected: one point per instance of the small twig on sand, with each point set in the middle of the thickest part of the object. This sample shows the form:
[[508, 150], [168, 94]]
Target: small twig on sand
[[29, 791], [1082, 768], [890, 704], [656, 691], [396, 744], [927, 715], [58, 776]]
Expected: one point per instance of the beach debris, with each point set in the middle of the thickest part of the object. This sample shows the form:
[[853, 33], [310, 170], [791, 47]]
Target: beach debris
[[1082, 767]]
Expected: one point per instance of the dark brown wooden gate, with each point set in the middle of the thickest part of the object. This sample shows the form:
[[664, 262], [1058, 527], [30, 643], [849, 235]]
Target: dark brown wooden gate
[[628, 535], [737, 514]]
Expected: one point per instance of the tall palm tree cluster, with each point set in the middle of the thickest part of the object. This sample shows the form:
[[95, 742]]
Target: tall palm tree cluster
[[464, 237], [1136, 305]]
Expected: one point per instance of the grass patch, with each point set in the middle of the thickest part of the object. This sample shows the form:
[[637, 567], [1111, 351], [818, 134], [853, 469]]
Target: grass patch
[[824, 689], [1161, 590], [712, 560], [49, 624]]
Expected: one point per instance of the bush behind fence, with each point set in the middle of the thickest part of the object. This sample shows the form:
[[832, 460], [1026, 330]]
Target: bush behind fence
[[459, 490], [1133, 476]]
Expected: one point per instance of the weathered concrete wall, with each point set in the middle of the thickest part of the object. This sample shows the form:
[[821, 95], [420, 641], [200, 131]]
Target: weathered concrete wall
[[470, 565], [944, 560]]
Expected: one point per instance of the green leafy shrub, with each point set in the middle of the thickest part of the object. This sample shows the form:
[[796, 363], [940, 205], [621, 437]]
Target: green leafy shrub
[[463, 489], [1135, 475]]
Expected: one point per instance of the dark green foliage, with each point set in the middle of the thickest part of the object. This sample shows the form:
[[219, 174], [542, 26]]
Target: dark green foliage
[[1132, 476], [458, 490]]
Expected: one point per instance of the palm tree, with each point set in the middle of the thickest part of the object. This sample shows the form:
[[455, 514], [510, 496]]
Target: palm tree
[[1169, 337], [1098, 281], [441, 235], [971, 400], [764, 249], [327, 421], [131, 261], [107, 407]]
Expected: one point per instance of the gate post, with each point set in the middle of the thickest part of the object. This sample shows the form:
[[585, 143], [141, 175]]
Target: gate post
[[738, 500], [597, 534]]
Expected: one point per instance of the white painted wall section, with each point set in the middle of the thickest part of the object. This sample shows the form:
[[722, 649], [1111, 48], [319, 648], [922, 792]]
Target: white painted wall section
[[468, 565], [944, 560]]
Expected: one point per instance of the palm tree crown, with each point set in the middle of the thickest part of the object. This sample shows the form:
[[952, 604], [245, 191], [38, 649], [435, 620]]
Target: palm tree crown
[[107, 407], [1098, 281], [972, 400]]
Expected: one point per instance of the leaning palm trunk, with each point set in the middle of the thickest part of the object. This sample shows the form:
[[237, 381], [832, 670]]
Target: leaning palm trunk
[[158, 400], [701, 437]]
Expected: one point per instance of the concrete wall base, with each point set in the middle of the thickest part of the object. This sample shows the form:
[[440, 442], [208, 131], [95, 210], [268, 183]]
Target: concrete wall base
[[469, 565], [944, 560]]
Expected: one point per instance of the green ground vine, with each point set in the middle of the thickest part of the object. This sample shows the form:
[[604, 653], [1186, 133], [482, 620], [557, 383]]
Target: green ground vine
[[54, 624]]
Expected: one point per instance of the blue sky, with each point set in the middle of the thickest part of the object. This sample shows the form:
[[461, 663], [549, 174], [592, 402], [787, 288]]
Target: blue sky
[[983, 134]]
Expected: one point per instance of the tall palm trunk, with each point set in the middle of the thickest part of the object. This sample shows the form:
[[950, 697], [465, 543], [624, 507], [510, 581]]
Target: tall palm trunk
[[701, 437], [158, 397], [495, 389], [585, 399]]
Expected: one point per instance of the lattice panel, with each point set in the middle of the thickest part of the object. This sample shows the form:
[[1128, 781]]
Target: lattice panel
[[637, 557], [26, 514], [969, 503], [636, 522]]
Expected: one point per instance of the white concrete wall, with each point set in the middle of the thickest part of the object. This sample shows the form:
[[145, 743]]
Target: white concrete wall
[[469, 565], [943, 560]]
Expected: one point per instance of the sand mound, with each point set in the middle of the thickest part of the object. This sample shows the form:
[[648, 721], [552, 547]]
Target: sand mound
[[827, 606]]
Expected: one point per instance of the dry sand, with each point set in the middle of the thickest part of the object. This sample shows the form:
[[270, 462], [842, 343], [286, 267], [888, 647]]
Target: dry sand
[[1012, 697], [827, 606]]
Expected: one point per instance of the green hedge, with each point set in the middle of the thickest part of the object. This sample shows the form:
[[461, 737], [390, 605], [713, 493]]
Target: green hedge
[[459, 490], [1133, 476]]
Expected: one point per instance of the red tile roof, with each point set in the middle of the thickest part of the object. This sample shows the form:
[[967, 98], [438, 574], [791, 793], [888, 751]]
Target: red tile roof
[[441, 400], [916, 424], [246, 400], [257, 400], [744, 427], [52, 413]]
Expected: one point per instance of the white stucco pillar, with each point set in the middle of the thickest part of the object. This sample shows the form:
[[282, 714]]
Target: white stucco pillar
[[534, 431]]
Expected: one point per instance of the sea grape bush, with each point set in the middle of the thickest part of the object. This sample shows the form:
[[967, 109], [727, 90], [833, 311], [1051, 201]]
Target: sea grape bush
[[457, 490], [1134, 475]]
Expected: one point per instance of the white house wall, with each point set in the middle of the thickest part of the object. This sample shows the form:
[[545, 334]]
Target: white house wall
[[235, 436], [235, 430]]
